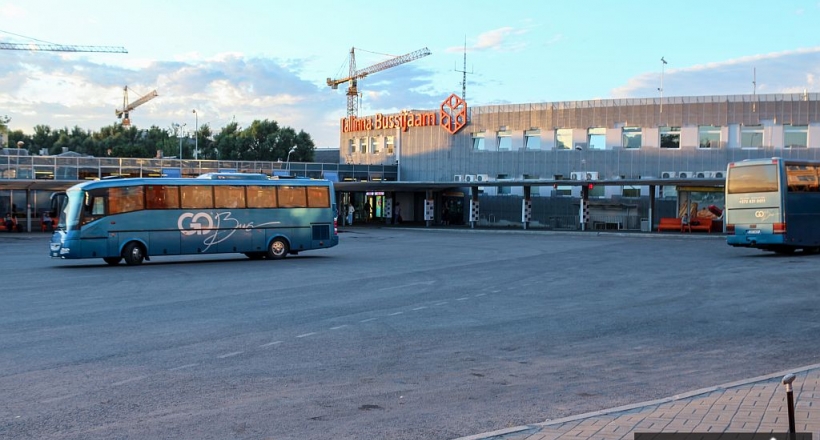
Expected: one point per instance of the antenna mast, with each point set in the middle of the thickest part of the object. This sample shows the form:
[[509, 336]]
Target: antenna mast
[[464, 73]]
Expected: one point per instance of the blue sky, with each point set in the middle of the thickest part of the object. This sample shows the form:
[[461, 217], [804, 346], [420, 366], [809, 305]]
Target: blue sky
[[247, 60]]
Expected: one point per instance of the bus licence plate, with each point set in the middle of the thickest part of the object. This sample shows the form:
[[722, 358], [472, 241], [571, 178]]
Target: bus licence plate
[[753, 231]]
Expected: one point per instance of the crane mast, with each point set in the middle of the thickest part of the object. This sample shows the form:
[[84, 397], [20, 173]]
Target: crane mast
[[126, 107], [355, 75]]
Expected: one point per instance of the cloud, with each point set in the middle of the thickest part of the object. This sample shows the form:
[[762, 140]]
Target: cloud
[[781, 72], [42, 88], [498, 40]]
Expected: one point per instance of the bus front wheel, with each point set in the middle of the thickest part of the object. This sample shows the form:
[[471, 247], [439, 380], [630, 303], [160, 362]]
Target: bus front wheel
[[133, 254], [277, 249]]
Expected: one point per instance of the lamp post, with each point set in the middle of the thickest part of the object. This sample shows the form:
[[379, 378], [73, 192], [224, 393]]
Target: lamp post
[[287, 162], [179, 135], [660, 89], [196, 134]]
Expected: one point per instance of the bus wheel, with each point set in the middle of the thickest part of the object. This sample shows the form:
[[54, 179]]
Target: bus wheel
[[112, 261], [255, 255], [278, 248], [133, 254]]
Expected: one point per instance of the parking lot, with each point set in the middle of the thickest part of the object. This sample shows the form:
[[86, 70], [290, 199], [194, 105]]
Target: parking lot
[[395, 333]]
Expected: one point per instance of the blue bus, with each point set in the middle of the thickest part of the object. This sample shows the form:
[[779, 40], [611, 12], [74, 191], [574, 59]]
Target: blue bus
[[773, 204], [136, 219]]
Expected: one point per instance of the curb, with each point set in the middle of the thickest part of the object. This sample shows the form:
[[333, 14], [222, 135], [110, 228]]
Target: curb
[[633, 406]]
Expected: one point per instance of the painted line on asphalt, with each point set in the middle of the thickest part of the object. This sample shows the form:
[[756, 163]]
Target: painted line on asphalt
[[339, 326], [182, 367], [133, 379], [421, 283], [57, 399], [231, 354], [420, 308], [395, 313], [270, 343], [465, 298], [306, 335], [481, 294], [440, 303], [368, 320]]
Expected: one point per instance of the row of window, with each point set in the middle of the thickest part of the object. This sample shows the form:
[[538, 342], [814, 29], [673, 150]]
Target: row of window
[[709, 136], [370, 145], [106, 201]]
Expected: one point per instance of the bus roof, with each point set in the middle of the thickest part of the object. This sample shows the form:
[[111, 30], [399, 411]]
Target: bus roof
[[184, 181]]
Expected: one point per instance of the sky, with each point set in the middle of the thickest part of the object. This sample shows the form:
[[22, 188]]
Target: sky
[[214, 62]]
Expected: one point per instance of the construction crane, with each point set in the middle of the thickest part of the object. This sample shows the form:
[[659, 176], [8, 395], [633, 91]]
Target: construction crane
[[126, 107], [61, 47], [355, 75]]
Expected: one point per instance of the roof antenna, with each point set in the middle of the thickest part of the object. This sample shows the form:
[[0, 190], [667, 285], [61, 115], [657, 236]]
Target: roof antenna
[[464, 73]]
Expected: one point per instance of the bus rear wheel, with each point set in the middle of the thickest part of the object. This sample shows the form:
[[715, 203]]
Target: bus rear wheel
[[133, 254], [112, 261], [277, 249]]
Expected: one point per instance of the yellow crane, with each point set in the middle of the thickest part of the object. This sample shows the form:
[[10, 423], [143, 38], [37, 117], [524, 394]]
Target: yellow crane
[[126, 107], [355, 75]]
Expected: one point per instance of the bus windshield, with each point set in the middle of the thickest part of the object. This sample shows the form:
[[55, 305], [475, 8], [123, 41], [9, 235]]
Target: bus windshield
[[752, 179]]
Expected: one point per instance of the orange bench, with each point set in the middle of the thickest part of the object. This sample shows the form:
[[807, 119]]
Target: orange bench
[[670, 224], [698, 224]]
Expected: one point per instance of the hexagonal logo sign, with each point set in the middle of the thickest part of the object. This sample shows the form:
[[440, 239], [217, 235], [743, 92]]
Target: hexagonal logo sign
[[453, 115]]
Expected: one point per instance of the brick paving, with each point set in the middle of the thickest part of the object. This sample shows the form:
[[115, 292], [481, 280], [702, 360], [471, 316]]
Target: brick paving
[[753, 405]]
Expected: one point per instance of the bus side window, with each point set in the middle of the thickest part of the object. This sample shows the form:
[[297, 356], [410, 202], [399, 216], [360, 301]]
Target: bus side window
[[94, 206]]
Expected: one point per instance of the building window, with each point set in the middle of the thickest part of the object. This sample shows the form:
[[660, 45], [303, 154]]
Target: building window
[[795, 136], [534, 190], [363, 145], [504, 140], [631, 137], [670, 137], [374, 145], [751, 136], [563, 139], [708, 136], [388, 144], [532, 139], [478, 141], [596, 138], [631, 191], [351, 146]]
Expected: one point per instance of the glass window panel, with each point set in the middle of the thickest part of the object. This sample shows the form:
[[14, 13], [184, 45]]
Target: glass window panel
[[532, 139], [388, 144], [318, 197], [374, 145], [504, 140], [478, 141], [670, 137], [229, 196], [351, 146], [125, 199], [795, 136], [802, 178], [751, 136], [631, 137], [563, 139], [708, 136], [292, 197], [596, 138], [196, 197], [261, 196], [363, 145], [161, 197]]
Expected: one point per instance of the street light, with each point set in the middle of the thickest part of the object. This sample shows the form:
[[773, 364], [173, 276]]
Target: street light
[[196, 134], [179, 135], [660, 89], [288, 159]]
